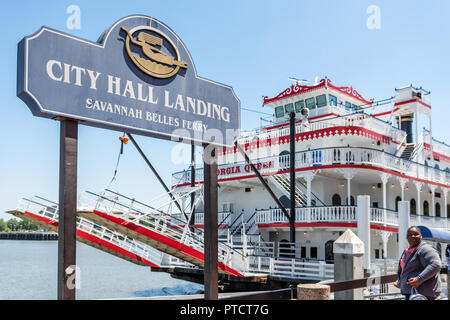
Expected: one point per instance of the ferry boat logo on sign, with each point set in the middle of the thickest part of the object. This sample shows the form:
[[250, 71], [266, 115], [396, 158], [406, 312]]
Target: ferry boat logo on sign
[[160, 64]]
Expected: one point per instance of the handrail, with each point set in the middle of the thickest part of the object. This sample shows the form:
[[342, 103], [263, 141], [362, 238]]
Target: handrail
[[361, 283], [313, 195], [235, 220], [400, 145], [248, 220]]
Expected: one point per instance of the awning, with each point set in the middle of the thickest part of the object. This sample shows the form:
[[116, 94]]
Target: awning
[[435, 234]]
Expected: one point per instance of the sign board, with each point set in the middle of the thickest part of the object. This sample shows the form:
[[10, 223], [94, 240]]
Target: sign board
[[138, 77]]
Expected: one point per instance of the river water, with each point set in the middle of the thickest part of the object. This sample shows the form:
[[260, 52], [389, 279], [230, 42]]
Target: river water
[[28, 271]]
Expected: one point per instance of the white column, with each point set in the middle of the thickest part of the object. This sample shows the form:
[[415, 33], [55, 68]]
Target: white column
[[418, 203], [309, 176], [431, 142], [308, 179], [416, 120], [349, 194], [445, 191], [402, 186], [403, 225], [363, 229], [384, 179], [348, 173], [433, 205]]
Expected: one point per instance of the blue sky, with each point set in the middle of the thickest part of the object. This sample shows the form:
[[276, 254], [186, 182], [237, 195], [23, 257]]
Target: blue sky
[[253, 46]]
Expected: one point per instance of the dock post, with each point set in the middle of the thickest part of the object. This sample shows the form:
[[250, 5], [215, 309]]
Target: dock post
[[67, 209], [363, 219], [403, 225], [211, 276], [313, 291], [348, 252]]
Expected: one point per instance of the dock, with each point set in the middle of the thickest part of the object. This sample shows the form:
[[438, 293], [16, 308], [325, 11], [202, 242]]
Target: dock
[[35, 236]]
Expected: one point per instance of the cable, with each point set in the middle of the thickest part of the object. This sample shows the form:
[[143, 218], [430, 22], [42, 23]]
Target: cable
[[269, 114], [122, 141]]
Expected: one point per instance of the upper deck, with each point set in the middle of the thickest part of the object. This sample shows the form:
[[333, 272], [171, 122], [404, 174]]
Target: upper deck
[[339, 120]]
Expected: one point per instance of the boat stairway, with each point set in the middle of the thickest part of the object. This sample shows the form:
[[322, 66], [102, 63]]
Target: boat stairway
[[237, 229], [156, 228], [283, 183], [44, 213], [408, 151]]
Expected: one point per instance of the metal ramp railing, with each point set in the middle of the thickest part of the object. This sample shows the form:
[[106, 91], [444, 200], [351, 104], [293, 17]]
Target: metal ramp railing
[[44, 213], [157, 228]]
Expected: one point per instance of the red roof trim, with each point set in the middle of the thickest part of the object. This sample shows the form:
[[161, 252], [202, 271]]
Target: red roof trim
[[411, 101], [296, 90]]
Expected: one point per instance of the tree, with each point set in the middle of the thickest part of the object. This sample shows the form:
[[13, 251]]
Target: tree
[[3, 225], [13, 224]]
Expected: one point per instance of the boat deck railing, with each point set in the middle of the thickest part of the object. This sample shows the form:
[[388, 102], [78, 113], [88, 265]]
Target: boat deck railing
[[329, 156], [378, 216], [346, 119]]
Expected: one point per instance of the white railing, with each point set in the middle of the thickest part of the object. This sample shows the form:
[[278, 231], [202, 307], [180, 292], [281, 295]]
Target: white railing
[[358, 120], [332, 156], [48, 209], [224, 218], [344, 214], [309, 214], [383, 216], [292, 268]]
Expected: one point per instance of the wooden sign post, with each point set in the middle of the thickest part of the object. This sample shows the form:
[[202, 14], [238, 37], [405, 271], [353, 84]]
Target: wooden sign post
[[211, 275], [67, 210]]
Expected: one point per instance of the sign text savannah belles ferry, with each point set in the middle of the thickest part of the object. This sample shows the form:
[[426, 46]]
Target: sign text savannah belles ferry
[[138, 77]]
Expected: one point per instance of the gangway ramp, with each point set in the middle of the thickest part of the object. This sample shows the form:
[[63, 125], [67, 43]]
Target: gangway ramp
[[157, 229], [44, 213]]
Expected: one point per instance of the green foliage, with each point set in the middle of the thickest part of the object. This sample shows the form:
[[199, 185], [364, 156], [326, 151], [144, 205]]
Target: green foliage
[[17, 225], [3, 225]]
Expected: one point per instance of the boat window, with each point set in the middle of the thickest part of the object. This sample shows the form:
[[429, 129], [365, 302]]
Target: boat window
[[279, 112], [437, 210], [355, 107], [303, 252], [426, 208], [310, 103], [299, 105], [332, 99], [348, 105], [321, 100], [412, 206], [289, 108], [313, 253], [336, 200], [397, 200]]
